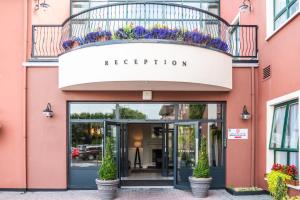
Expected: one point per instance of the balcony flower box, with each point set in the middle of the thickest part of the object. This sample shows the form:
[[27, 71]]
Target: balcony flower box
[[158, 32], [292, 182]]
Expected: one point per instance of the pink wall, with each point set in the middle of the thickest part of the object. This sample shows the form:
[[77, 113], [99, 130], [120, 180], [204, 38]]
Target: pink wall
[[12, 52], [47, 137], [57, 13], [281, 52]]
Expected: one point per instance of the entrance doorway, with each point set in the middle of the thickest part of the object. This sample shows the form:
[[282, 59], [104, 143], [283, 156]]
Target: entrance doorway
[[154, 144], [149, 161]]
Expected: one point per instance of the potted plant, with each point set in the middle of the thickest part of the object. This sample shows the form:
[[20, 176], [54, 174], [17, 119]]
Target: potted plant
[[201, 180], [108, 182]]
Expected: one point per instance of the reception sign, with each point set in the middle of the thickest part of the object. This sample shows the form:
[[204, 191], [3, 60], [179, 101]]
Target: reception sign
[[145, 66], [238, 134]]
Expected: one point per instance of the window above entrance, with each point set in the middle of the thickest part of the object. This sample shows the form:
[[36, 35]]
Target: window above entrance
[[145, 111], [212, 6]]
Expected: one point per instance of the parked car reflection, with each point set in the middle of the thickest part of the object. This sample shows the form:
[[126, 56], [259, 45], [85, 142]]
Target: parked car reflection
[[86, 155]]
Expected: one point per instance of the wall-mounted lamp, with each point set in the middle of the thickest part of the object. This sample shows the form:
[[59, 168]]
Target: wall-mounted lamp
[[246, 6], [245, 114], [47, 111], [39, 5]]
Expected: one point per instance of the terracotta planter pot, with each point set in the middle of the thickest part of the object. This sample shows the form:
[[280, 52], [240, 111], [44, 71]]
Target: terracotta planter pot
[[107, 189], [292, 182], [101, 39], [200, 186], [75, 44]]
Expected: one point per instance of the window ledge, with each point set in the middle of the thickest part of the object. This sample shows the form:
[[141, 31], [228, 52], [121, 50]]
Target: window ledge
[[290, 186], [282, 25]]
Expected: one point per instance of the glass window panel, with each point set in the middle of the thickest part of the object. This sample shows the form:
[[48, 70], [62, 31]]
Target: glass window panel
[[277, 128], [279, 5], [92, 111], [194, 4], [79, 7], [170, 147], [281, 20], [281, 157], [98, 3], [213, 132], [199, 111], [112, 131], [86, 144], [294, 8], [294, 159], [292, 129], [185, 152], [235, 40], [147, 111]]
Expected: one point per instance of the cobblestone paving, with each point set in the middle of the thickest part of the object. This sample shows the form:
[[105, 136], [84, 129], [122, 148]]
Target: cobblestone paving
[[126, 194]]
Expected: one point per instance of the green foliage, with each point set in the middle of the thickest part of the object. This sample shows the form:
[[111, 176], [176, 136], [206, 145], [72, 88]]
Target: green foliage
[[196, 111], [281, 190], [276, 184], [202, 168], [128, 29], [127, 113], [85, 115], [108, 169]]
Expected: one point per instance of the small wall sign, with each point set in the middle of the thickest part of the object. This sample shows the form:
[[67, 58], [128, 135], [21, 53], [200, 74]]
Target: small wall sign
[[147, 95], [237, 134]]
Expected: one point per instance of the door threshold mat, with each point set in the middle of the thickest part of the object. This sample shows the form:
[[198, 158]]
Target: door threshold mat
[[147, 170], [246, 191], [146, 182]]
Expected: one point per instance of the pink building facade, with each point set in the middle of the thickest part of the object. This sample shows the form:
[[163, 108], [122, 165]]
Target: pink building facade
[[252, 62]]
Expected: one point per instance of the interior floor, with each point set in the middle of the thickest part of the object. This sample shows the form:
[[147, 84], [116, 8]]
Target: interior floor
[[147, 176]]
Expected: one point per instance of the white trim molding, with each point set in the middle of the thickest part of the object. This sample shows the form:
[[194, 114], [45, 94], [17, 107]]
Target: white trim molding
[[40, 64], [270, 112]]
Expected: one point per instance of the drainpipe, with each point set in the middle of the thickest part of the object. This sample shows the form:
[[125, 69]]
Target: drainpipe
[[26, 18], [253, 118]]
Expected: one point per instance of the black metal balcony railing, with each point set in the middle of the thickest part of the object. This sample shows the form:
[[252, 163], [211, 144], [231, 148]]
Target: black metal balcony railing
[[175, 22]]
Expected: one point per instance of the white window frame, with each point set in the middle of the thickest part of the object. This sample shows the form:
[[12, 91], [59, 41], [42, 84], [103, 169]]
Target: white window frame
[[270, 105], [270, 19]]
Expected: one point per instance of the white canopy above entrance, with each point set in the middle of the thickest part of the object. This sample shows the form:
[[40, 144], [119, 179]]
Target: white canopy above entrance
[[145, 66]]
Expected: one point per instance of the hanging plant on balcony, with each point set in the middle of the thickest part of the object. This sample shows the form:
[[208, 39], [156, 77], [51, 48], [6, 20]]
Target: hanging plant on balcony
[[70, 44], [160, 32], [98, 36]]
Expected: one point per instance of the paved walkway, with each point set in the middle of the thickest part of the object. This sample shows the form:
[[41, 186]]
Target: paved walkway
[[128, 194]]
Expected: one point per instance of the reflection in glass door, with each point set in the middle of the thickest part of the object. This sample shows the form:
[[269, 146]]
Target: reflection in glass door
[[186, 152], [85, 153], [112, 129], [213, 131]]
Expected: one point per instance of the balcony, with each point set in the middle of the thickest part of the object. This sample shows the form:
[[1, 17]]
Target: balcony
[[145, 46], [194, 27]]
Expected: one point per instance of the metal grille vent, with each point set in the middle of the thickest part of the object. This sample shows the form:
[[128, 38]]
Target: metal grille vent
[[267, 72]]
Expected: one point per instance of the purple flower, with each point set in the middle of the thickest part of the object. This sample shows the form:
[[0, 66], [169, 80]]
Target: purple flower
[[67, 44], [139, 32], [120, 33], [91, 37]]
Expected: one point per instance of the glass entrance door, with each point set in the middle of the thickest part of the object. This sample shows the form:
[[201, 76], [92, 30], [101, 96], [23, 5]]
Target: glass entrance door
[[85, 154], [167, 149], [186, 152]]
